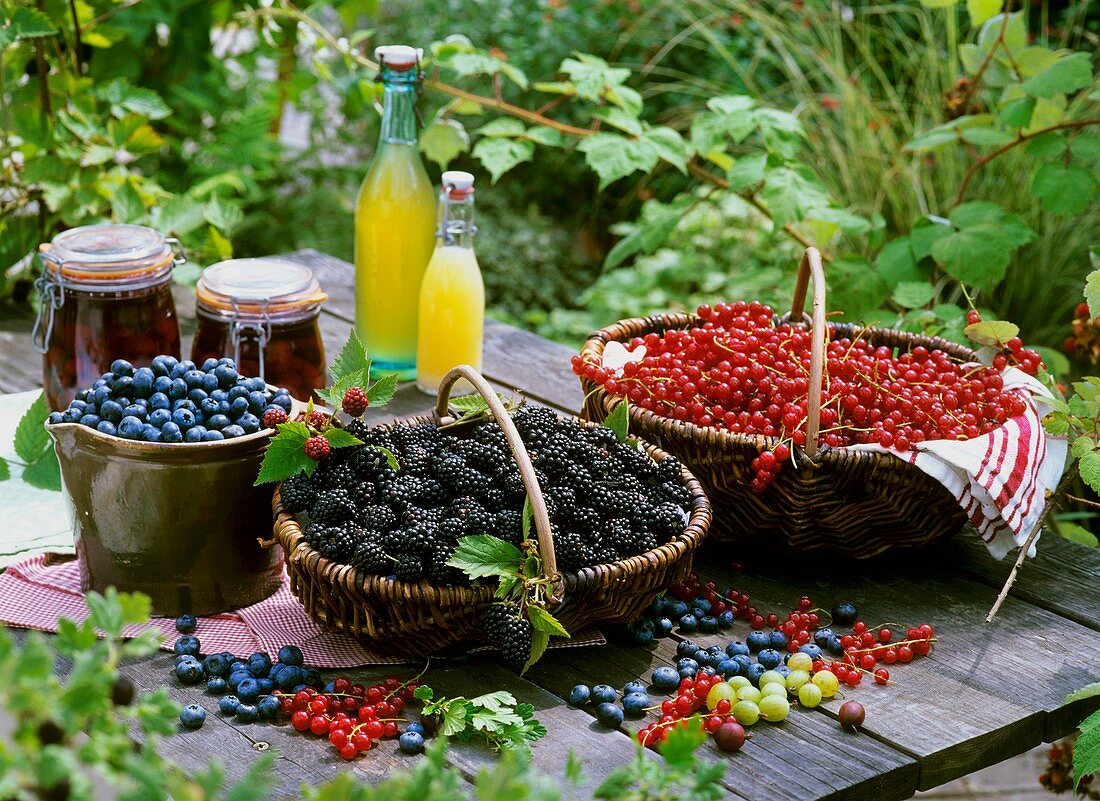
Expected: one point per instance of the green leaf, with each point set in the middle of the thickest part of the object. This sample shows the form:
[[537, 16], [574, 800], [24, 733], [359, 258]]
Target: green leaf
[[334, 395], [895, 263], [747, 171], [134, 607], [178, 216], [613, 156], [923, 237], [382, 391], [126, 204], [1088, 691], [31, 439], [223, 215], [732, 118], [618, 118], [619, 420], [592, 77], [484, 64], [352, 358], [285, 455], [1085, 147], [44, 472], [1092, 293], [977, 255], [339, 438], [790, 192], [1047, 146], [981, 10], [1078, 534], [106, 614], [938, 3], [444, 140], [423, 693], [539, 641], [984, 136], [483, 555], [844, 220], [1015, 32], [1089, 468], [544, 135], [541, 620], [469, 404], [671, 147], [502, 126], [1068, 74], [855, 288], [528, 517], [1066, 189], [500, 155], [648, 234], [993, 333], [30, 23], [1086, 751], [391, 459], [782, 131], [680, 745], [913, 294], [1017, 113], [5, 470]]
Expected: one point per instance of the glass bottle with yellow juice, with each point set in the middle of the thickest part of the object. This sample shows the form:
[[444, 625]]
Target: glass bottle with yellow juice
[[394, 223], [452, 295]]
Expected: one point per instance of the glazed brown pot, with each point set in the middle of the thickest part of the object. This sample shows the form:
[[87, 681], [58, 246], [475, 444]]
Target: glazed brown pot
[[180, 523]]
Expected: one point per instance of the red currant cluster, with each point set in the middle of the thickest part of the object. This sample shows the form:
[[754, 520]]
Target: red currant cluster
[[1086, 334], [864, 648], [352, 716], [681, 710], [1014, 352], [742, 372]]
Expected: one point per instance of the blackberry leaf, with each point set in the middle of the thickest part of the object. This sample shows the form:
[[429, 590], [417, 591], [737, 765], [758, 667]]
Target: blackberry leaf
[[546, 622], [353, 358], [485, 555]]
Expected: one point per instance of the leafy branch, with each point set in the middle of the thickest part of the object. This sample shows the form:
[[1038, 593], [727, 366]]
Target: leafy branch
[[496, 717]]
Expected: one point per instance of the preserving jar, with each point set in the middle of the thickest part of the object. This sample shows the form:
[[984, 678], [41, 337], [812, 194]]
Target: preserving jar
[[263, 313], [105, 293]]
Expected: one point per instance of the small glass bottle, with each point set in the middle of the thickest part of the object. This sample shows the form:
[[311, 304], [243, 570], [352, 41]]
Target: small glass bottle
[[452, 295], [105, 293], [394, 223], [263, 313]]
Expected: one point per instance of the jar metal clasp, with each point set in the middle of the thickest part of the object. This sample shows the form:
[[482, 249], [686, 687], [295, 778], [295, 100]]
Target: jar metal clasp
[[261, 330], [51, 297], [178, 256]]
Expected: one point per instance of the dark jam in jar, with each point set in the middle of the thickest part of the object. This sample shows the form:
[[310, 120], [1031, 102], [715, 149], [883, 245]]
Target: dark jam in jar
[[105, 294], [264, 314]]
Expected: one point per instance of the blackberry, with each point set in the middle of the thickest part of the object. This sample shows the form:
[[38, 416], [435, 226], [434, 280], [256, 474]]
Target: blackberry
[[534, 419], [417, 461], [358, 429], [479, 521], [676, 492], [367, 461], [345, 541], [603, 436], [377, 437], [393, 541], [631, 462], [338, 474], [510, 633], [363, 493], [512, 484], [668, 469], [437, 569], [333, 506], [669, 521], [508, 525], [584, 520], [409, 568], [645, 518], [562, 497], [493, 497], [449, 469], [490, 435], [450, 530], [371, 557], [600, 498], [297, 493], [417, 540], [471, 482], [623, 502], [619, 536], [380, 518], [568, 547]]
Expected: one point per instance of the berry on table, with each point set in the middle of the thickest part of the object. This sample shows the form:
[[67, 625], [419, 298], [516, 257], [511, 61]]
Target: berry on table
[[192, 716], [188, 645], [355, 402], [411, 742], [122, 691], [851, 715], [665, 679], [228, 704], [580, 695], [609, 715], [186, 624], [636, 703], [603, 694], [189, 670], [729, 737], [291, 655], [317, 448]]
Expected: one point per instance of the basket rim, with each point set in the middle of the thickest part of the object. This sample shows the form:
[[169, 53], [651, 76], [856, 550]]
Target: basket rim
[[291, 537], [658, 323]]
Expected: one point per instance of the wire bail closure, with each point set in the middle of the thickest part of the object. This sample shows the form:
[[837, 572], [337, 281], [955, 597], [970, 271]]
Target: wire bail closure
[[51, 297], [448, 232], [261, 331], [418, 88]]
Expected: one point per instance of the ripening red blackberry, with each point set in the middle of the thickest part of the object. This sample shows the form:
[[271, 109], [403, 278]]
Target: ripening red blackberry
[[510, 633], [355, 402], [274, 416], [317, 420], [317, 448]]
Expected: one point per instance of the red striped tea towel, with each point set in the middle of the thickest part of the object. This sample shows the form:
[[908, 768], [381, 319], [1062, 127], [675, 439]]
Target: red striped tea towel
[[1000, 479], [38, 591]]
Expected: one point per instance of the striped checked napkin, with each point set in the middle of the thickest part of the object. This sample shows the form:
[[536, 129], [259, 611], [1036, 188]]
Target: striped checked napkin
[[1000, 479], [35, 593]]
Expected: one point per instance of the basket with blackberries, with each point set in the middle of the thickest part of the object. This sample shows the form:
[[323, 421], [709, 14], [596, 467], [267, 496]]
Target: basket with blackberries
[[491, 520]]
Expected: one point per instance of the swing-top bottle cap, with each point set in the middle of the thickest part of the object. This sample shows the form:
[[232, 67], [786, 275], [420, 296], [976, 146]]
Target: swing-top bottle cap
[[398, 57], [458, 183]]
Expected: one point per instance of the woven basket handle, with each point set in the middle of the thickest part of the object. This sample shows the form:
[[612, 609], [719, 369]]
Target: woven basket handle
[[810, 267], [519, 453]]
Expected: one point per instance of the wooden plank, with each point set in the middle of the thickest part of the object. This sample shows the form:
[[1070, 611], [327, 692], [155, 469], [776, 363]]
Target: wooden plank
[[808, 756], [1062, 578], [985, 694]]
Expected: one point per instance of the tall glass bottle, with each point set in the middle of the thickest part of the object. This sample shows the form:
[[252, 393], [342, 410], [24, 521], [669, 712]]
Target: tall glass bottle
[[394, 223], [452, 296]]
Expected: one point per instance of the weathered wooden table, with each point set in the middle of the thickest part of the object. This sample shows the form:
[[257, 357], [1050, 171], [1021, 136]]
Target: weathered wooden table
[[987, 692]]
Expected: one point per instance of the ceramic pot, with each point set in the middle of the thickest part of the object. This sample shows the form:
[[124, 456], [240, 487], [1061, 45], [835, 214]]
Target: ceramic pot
[[181, 523]]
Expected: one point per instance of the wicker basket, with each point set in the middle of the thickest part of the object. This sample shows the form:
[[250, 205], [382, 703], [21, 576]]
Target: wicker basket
[[854, 504], [416, 619]]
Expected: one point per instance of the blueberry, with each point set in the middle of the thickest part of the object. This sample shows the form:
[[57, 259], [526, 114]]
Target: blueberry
[[160, 366], [662, 627], [703, 604], [150, 433], [237, 676], [777, 640], [418, 728], [248, 690], [208, 364], [783, 671], [189, 671], [55, 418], [161, 386], [251, 424], [635, 704], [247, 713], [130, 428], [187, 644], [845, 613], [219, 395], [217, 422], [228, 704], [313, 678], [170, 432], [269, 707], [72, 414], [686, 648], [698, 612], [159, 402], [110, 411], [291, 677], [217, 685], [89, 420], [633, 687], [195, 434], [184, 418], [237, 391], [121, 367], [822, 637], [143, 382], [580, 695], [197, 396], [209, 383], [177, 389], [758, 640], [232, 431], [135, 410], [702, 656], [192, 716], [291, 655], [122, 388], [255, 385], [744, 661], [267, 686], [216, 665], [411, 742], [101, 394], [769, 658], [238, 665], [256, 402], [609, 715], [238, 407], [687, 663], [665, 679], [708, 624], [725, 620], [603, 693], [208, 407], [688, 624], [259, 664], [283, 402], [754, 672], [729, 667], [186, 624], [226, 375], [811, 650]]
